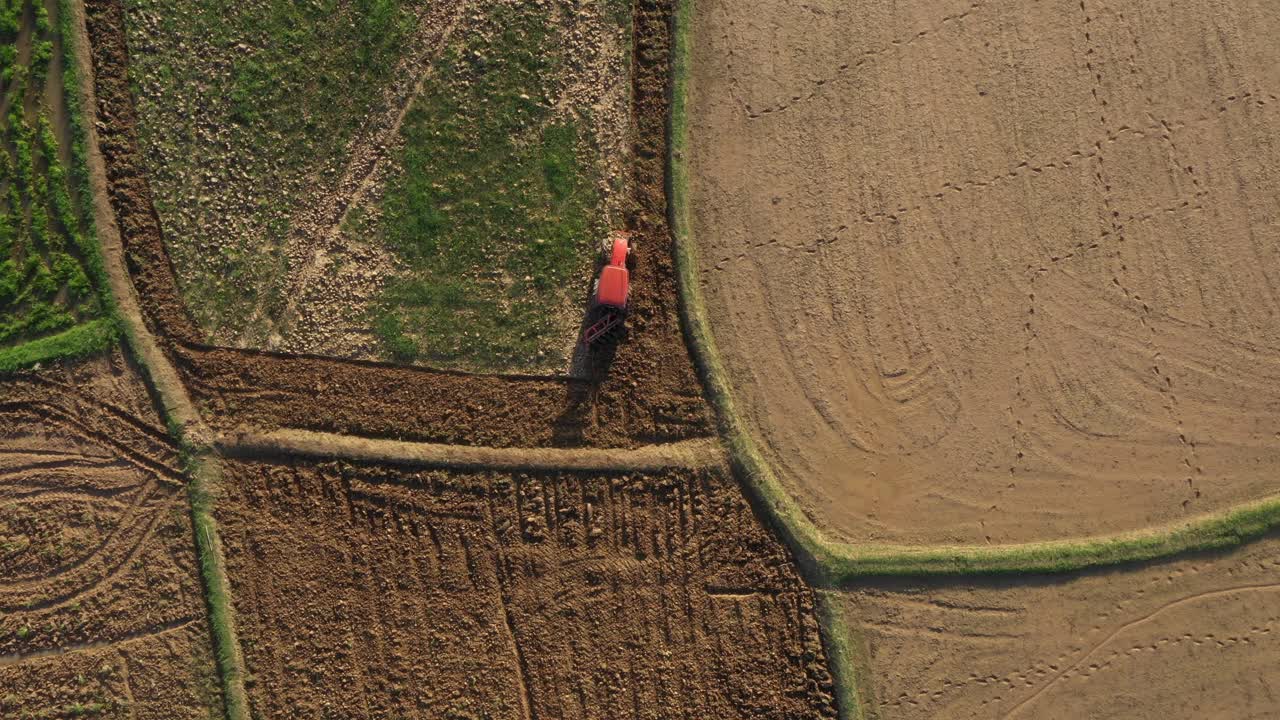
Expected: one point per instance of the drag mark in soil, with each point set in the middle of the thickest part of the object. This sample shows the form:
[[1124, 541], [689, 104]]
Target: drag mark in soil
[[122, 641]]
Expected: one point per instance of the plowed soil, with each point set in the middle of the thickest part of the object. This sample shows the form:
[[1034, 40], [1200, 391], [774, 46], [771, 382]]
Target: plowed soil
[[645, 392], [991, 271], [1193, 638], [101, 611], [369, 592]]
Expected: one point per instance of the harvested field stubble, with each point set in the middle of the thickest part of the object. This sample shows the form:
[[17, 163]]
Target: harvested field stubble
[[101, 610], [1185, 638], [368, 592], [646, 392], [990, 272]]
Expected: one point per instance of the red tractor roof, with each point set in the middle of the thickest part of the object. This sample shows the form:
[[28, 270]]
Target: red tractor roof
[[613, 287]]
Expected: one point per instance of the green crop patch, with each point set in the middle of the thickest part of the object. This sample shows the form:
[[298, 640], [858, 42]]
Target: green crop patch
[[492, 214], [48, 261], [422, 182]]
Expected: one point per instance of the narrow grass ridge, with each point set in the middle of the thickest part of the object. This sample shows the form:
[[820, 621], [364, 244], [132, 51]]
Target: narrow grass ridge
[[180, 416], [784, 514]]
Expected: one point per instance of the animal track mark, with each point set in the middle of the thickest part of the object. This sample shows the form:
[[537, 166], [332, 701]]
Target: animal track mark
[[1148, 617], [843, 70]]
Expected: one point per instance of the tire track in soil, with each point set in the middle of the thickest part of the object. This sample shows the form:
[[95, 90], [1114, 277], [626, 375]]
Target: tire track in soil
[[92, 646], [365, 168]]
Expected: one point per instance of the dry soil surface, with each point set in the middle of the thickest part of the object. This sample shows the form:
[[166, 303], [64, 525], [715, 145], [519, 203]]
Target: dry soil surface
[[994, 271], [101, 611], [1193, 638], [367, 592]]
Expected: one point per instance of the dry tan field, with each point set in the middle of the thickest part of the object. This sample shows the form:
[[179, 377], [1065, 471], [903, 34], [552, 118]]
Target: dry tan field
[[1192, 638], [992, 271]]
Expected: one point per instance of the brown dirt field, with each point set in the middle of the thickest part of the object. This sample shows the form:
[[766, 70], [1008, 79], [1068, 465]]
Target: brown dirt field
[[647, 392], [370, 592], [991, 271], [101, 608], [1191, 638]]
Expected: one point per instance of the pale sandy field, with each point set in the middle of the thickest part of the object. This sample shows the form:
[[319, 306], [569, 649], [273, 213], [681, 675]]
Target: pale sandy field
[[1192, 638], [995, 271]]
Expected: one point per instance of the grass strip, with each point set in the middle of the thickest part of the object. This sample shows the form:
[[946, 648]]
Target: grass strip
[[76, 342], [847, 658], [783, 512], [1230, 528], [204, 471]]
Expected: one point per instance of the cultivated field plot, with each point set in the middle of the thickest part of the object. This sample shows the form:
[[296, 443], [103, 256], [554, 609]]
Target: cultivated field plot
[[47, 254], [645, 392], [371, 592], [992, 271], [101, 612], [1188, 638], [414, 180]]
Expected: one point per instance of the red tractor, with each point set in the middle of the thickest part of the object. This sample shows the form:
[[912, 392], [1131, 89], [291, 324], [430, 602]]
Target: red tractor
[[612, 292]]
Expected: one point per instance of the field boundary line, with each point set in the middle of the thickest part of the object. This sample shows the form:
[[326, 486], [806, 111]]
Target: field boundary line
[[180, 415], [688, 454], [758, 482]]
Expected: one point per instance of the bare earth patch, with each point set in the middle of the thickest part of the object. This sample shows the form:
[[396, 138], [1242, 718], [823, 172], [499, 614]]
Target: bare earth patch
[[101, 611], [995, 271], [364, 591], [1186, 638]]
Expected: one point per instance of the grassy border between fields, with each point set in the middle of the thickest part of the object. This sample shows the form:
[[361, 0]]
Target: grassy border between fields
[[194, 440], [784, 514], [205, 473], [835, 563]]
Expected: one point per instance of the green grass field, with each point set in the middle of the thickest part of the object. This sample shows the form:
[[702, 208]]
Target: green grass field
[[493, 213], [49, 305], [282, 87]]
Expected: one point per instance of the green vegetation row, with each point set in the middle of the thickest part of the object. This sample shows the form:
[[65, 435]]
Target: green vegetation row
[[203, 473], [49, 264], [493, 214]]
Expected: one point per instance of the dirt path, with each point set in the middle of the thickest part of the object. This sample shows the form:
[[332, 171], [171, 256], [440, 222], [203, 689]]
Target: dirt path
[[986, 272], [164, 375], [691, 454], [365, 169]]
